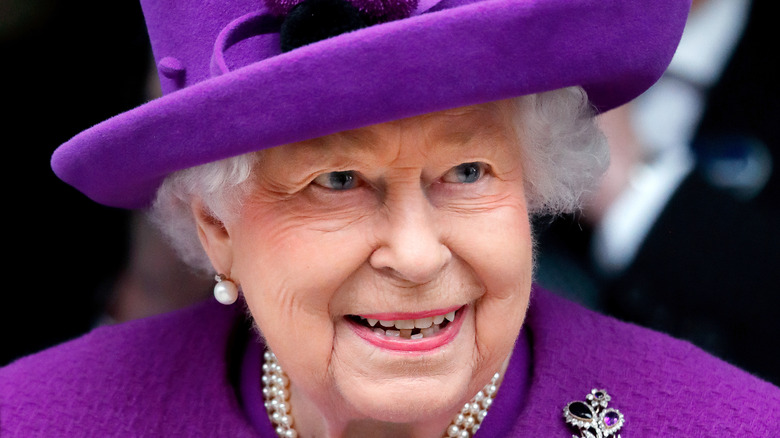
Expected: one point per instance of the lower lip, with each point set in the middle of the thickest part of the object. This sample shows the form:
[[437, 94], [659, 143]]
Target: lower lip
[[443, 337]]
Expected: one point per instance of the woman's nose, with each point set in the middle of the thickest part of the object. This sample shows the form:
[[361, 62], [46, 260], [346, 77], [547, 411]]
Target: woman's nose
[[411, 247]]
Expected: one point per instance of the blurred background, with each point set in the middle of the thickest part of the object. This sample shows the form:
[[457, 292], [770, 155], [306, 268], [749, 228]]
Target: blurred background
[[73, 263], [683, 237]]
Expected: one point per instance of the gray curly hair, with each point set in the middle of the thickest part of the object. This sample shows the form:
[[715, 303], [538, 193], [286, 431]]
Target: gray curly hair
[[565, 157]]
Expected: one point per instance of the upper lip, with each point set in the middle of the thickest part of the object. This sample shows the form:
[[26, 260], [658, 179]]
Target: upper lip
[[394, 316]]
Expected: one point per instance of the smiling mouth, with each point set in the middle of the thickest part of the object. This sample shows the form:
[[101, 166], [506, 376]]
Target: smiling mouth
[[418, 328]]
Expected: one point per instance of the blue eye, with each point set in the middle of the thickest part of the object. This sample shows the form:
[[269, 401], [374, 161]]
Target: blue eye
[[343, 180], [465, 173]]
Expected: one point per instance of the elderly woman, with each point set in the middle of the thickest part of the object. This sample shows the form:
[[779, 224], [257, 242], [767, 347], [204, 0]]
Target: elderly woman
[[361, 178]]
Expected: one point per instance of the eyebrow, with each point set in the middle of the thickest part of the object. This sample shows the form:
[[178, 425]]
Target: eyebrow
[[461, 129], [344, 148], [356, 139]]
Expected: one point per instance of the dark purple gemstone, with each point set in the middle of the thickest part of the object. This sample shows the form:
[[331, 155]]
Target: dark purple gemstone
[[581, 411], [611, 418], [599, 395]]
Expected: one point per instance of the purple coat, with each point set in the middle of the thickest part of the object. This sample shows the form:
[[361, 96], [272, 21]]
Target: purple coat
[[175, 375]]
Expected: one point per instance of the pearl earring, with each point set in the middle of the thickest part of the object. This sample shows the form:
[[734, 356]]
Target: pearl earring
[[225, 291]]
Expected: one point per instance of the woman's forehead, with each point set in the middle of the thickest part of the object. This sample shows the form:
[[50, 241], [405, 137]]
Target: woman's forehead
[[453, 127]]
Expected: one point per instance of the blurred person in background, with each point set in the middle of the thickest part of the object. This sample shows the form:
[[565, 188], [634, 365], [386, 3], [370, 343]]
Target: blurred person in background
[[686, 219]]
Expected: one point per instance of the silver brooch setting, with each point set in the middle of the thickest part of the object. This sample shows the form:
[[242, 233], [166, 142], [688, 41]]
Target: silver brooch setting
[[592, 418]]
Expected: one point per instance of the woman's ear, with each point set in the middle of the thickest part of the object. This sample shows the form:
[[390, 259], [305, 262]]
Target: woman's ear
[[214, 237]]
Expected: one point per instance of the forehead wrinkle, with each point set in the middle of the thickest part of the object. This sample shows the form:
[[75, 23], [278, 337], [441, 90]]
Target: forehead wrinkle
[[342, 148], [357, 145], [475, 126], [349, 142]]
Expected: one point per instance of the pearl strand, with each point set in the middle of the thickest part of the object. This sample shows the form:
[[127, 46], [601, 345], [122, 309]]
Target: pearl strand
[[467, 422], [277, 403], [277, 397]]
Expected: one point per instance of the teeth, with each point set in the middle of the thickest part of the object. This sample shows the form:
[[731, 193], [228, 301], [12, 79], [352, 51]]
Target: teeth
[[403, 328], [404, 324], [423, 322], [430, 331]]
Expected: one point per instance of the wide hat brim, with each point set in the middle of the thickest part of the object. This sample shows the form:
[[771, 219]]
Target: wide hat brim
[[465, 55]]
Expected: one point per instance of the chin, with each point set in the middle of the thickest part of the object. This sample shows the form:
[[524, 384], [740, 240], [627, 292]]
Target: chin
[[412, 400], [413, 385]]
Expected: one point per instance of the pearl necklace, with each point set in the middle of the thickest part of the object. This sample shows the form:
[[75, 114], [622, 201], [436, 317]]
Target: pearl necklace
[[277, 403]]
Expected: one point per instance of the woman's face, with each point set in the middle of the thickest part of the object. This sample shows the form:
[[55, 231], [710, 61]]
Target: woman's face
[[408, 220]]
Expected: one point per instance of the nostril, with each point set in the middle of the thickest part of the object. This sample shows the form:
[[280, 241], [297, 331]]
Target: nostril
[[416, 265]]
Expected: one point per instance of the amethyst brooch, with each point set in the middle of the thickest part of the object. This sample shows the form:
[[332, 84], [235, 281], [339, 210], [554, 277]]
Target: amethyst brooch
[[592, 418]]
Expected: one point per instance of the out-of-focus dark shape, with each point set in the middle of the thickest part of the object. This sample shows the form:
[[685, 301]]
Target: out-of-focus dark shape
[[64, 249], [154, 280]]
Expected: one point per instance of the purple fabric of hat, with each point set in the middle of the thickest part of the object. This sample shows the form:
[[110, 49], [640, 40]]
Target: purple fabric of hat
[[229, 89]]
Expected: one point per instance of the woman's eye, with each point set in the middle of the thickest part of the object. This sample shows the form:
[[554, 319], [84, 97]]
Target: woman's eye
[[465, 173], [343, 180]]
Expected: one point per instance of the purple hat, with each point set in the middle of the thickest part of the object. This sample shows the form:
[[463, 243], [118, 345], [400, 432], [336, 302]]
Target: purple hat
[[229, 89]]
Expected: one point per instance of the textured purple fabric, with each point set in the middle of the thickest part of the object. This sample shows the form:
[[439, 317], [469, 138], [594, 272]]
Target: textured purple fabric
[[459, 52], [160, 377], [166, 376]]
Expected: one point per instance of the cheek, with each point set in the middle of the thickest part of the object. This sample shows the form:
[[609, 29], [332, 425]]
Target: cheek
[[290, 274], [498, 247]]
